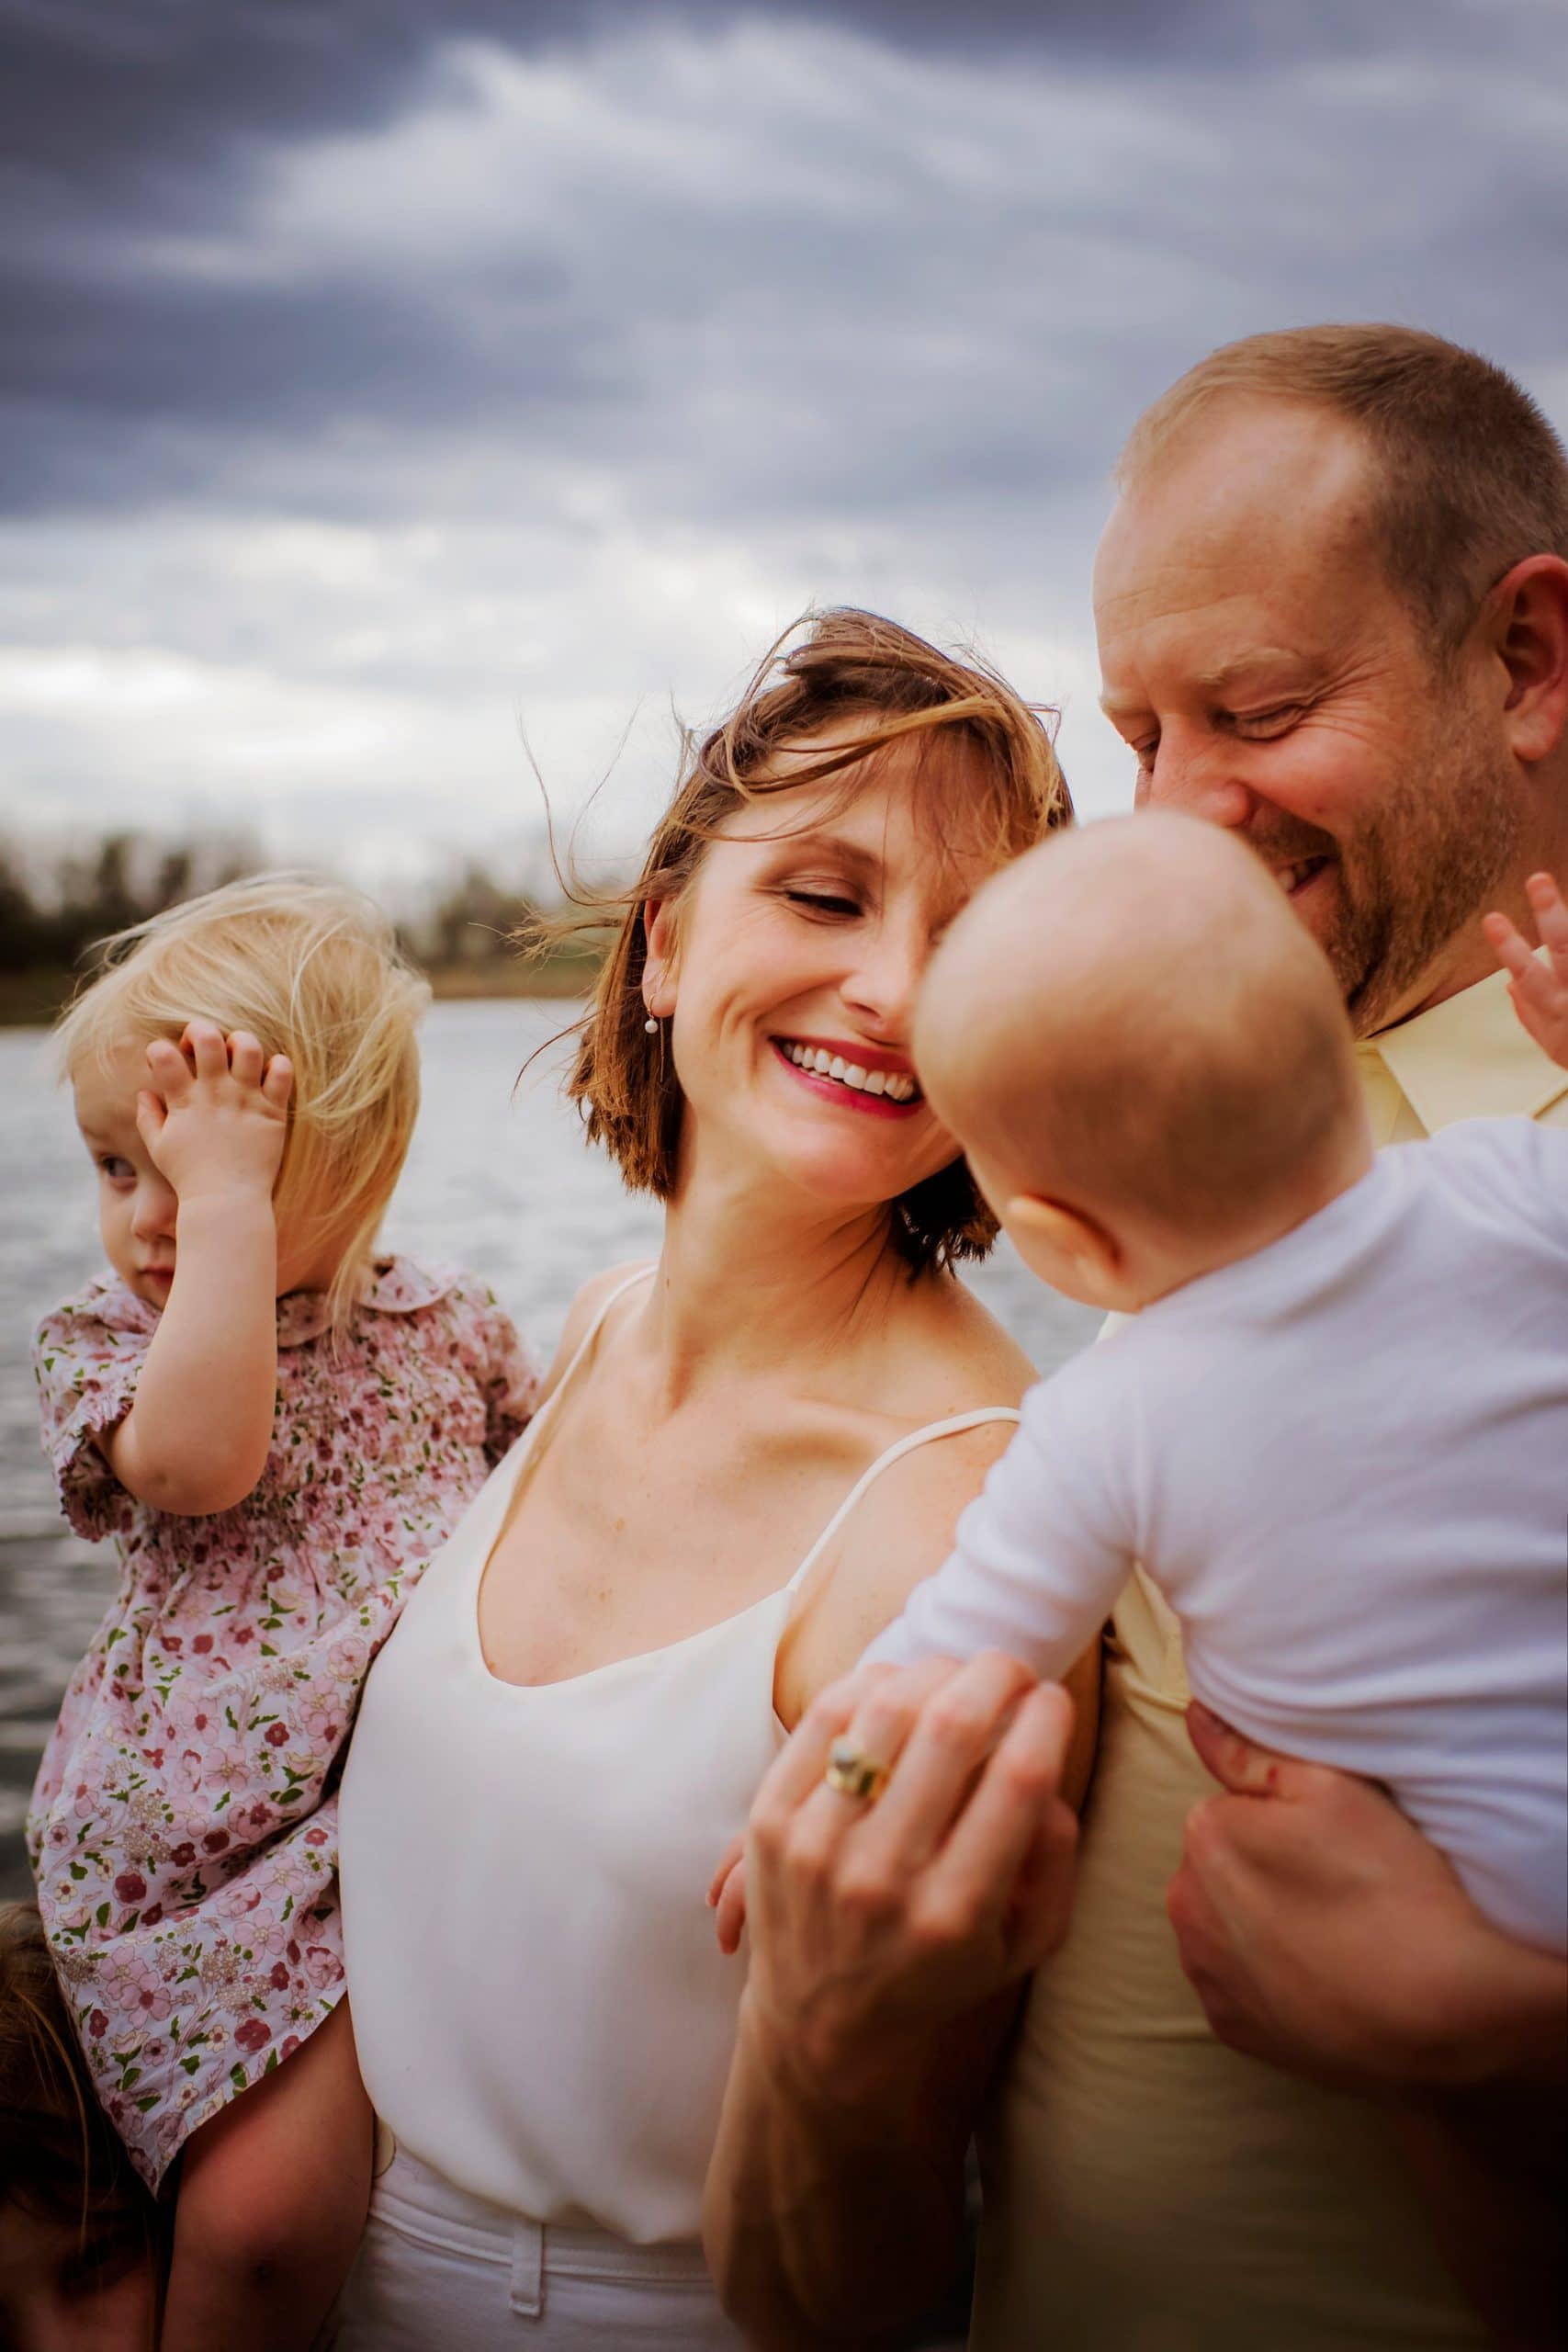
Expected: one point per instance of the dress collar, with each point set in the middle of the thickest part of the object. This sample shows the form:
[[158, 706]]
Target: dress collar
[[1469, 1057], [393, 1286]]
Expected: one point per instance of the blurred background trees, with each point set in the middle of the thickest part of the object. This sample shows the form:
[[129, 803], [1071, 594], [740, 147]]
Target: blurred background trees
[[54, 907]]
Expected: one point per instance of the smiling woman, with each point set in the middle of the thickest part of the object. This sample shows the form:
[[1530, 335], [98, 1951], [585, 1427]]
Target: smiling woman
[[833, 705], [746, 1456]]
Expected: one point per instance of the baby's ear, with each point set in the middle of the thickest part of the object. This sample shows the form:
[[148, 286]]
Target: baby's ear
[[1062, 1246]]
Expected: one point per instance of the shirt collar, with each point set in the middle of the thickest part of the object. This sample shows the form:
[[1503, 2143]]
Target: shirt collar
[[1468, 1057]]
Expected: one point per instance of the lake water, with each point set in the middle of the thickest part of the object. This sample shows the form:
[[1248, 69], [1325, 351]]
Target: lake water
[[498, 1179]]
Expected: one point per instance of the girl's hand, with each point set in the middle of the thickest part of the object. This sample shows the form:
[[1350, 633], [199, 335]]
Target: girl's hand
[[1540, 990], [216, 1116]]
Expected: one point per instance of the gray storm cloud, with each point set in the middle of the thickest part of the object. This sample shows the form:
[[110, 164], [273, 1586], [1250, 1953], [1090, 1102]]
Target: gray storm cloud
[[372, 372]]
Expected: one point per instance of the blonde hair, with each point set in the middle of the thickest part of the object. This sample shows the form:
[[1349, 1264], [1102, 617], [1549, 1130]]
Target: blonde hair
[[314, 971], [847, 667], [1467, 477]]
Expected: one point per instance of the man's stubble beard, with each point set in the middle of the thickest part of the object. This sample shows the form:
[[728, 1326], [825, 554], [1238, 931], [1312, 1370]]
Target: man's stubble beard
[[1423, 868]]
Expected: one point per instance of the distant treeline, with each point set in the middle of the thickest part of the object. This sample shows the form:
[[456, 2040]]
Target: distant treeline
[[54, 910]]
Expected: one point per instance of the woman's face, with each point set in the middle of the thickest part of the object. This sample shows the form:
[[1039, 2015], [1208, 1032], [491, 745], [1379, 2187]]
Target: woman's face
[[789, 972]]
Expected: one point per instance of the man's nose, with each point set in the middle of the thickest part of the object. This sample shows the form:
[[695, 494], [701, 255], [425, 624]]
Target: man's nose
[[1198, 779], [154, 1209]]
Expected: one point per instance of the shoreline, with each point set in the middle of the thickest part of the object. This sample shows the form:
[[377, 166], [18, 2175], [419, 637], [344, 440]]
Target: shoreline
[[34, 999]]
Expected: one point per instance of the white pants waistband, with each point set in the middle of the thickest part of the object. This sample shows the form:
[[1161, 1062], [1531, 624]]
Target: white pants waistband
[[425, 2207]]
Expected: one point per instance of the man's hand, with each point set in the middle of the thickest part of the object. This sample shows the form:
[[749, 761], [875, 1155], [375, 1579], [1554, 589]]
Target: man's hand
[[1324, 1935], [1540, 990], [215, 1113]]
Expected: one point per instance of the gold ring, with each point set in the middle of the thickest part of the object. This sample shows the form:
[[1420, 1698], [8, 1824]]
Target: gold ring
[[854, 1773]]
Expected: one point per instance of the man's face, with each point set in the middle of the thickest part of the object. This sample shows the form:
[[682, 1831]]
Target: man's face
[[1270, 678]]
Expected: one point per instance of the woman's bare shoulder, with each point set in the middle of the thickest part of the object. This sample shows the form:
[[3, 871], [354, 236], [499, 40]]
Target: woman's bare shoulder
[[973, 1359], [902, 1529], [580, 1315]]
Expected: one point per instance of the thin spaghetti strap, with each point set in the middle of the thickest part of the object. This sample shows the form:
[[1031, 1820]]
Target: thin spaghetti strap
[[640, 1275], [954, 1427]]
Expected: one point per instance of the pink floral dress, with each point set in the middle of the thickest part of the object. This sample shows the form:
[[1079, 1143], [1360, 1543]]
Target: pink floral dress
[[183, 1824]]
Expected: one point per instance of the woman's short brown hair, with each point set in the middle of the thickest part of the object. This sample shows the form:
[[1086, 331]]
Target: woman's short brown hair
[[836, 666]]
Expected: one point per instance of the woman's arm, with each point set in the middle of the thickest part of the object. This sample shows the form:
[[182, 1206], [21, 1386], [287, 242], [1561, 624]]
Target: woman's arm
[[888, 1945]]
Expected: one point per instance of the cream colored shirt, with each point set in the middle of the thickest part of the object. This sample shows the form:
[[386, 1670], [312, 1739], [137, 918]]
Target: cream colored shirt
[[1146, 2189]]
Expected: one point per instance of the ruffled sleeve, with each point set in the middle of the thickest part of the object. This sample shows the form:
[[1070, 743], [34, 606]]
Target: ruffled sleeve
[[87, 1357]]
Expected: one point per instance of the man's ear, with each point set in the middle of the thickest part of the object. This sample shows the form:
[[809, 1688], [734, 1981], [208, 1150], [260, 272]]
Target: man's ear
[[658, 965], [1047, 1234], [1530, 627]]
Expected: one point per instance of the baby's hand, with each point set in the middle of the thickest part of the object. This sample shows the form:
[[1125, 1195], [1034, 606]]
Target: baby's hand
[[1540, 990], [215, 1124], [726, 1895]]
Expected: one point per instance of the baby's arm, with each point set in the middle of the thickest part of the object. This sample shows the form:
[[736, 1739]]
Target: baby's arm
[[1042, 1551], [195, 1438], [273, 2195], [1540, 990]]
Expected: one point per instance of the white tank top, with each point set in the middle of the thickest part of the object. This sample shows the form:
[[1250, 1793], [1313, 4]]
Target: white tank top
[[541, 2011]]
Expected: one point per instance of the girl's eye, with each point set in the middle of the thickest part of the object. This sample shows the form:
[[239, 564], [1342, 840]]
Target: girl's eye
[[822, 902], [117, 1170]]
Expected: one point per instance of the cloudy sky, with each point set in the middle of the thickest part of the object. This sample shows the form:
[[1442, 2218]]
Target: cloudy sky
[[384, 380]]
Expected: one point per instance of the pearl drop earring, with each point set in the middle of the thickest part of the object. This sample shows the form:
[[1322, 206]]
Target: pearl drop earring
[[651, 1026]]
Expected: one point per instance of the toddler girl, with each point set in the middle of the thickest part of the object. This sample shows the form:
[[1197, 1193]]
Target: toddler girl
[[277, 1426]]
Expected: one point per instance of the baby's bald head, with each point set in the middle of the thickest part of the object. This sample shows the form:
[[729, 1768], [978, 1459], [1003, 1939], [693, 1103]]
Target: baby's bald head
[[1129, 1021]]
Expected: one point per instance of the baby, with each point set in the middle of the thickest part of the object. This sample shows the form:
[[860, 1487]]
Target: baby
[[1334, 1431], [277, 1426], [1336, 1435]]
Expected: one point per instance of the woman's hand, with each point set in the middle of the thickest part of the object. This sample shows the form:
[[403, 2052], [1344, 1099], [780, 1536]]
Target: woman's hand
[[1324, 1935], [874, 1925], [887, 1939]]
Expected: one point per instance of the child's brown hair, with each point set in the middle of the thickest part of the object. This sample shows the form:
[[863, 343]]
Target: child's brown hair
[[60, 2158]]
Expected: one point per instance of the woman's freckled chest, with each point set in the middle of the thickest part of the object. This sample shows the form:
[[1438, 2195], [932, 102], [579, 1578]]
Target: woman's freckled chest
[[625, 1539]]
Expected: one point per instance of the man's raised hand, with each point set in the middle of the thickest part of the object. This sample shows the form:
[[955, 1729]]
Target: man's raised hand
[[1537, 985]]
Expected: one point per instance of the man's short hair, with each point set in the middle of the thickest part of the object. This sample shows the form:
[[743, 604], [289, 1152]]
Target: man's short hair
[[1470, 476]]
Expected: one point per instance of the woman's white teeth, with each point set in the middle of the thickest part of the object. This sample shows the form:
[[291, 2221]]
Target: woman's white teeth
[[897, 1085]]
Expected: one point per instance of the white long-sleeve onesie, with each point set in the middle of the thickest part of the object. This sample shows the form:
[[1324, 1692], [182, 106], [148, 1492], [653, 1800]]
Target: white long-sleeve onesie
[[1344, 1460]]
